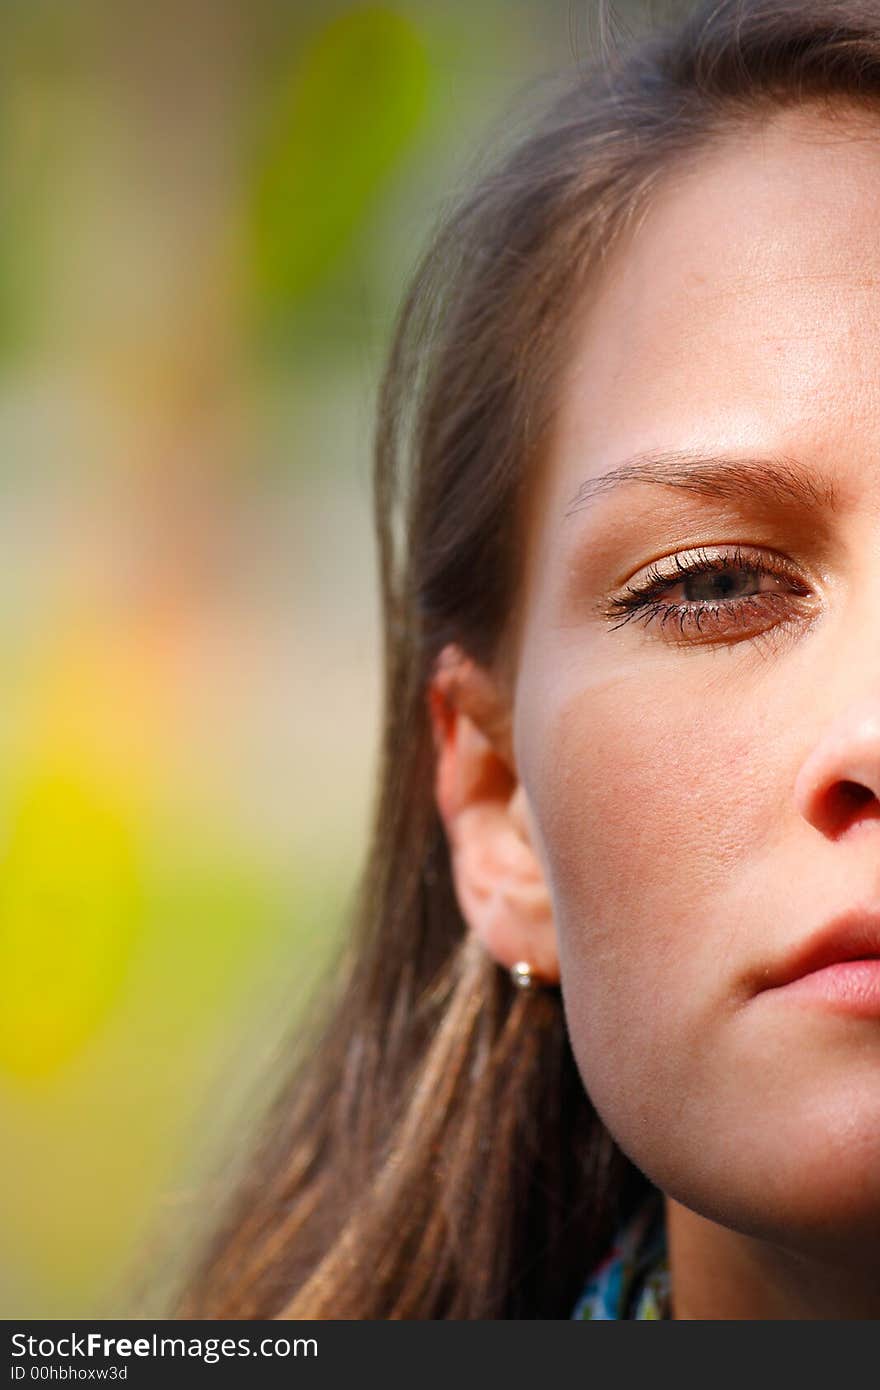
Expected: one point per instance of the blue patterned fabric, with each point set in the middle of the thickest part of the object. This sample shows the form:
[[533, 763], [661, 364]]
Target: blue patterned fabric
[[632, 1281]]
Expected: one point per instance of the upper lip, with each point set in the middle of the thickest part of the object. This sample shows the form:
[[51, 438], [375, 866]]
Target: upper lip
[[854, 935]]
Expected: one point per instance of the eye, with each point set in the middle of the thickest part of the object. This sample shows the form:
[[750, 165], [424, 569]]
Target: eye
[[704, 596]]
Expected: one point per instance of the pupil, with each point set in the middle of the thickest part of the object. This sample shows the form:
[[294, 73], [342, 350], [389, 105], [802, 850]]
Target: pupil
[[718, 585]]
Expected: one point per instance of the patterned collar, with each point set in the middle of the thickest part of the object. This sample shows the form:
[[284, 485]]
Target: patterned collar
[[632, 1281]]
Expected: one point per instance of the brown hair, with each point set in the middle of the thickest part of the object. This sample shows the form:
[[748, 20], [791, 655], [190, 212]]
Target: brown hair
[[434, 1154]]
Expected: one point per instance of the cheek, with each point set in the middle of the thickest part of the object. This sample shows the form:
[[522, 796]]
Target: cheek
[[651, 804]]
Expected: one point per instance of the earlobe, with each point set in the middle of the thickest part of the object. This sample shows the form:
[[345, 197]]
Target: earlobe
[[498, 878]]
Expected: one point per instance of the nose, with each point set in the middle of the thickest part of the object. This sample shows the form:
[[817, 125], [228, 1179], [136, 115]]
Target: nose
[[838, 785]]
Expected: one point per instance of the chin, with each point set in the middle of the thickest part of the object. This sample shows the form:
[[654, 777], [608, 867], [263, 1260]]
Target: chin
[[819, 1198]]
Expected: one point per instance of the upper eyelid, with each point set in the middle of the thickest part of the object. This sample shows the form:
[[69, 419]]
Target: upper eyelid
[[724, 553]]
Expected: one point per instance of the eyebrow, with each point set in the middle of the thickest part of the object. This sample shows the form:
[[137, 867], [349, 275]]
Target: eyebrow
[[778, 480]]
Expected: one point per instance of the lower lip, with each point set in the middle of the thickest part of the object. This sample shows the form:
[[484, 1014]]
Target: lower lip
[[850, 986]]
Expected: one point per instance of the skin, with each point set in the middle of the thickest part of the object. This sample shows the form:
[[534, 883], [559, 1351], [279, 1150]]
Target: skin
[[650, 813]]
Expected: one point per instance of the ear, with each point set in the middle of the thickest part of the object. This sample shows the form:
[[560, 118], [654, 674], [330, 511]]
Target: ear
[[498, 878]]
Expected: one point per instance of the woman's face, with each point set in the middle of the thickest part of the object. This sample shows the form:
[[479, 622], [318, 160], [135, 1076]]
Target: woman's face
[[702, 778]]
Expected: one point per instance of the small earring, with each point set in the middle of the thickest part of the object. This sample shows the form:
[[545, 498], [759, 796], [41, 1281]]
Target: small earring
[[522, 975]]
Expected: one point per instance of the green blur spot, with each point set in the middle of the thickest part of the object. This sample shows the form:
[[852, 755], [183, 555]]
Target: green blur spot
[[343, 117]]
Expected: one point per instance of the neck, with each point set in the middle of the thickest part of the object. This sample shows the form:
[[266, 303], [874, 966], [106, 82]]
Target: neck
[[718, 1273]]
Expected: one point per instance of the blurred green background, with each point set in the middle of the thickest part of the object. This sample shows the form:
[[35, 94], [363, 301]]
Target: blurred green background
[[209, 211]]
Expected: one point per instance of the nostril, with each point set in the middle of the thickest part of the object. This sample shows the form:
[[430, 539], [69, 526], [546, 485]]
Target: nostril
[[849, 801], [855, 794]]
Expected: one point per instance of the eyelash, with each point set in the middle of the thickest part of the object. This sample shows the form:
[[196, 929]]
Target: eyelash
[[642, 602]]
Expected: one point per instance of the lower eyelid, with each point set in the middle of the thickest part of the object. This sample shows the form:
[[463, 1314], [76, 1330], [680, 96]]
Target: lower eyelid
[[705, 624]]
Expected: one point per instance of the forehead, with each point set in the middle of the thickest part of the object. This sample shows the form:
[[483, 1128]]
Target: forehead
[[744, 311]]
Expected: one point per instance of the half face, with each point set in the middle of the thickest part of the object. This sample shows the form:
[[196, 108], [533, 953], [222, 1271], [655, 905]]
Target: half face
[[697, 699]]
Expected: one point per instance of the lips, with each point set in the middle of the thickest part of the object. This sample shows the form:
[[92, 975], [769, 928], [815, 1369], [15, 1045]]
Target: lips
[[853, 936]]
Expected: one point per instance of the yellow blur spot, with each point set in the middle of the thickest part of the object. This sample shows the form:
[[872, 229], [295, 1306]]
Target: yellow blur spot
[[71, 901]]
